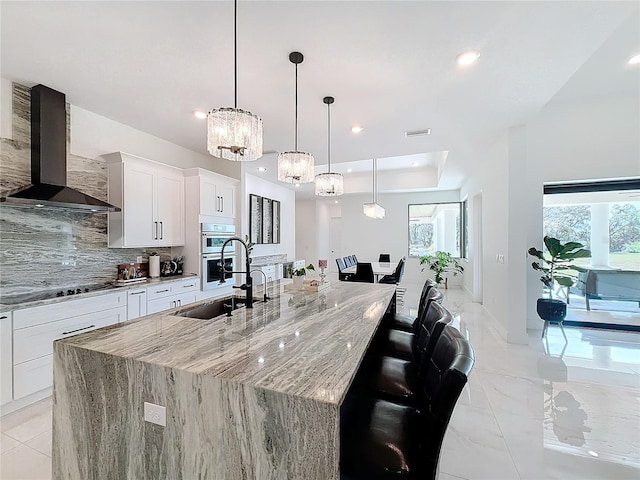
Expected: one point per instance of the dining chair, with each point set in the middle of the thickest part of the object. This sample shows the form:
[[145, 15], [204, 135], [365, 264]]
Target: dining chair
[[364, 273], [396, 276], [384, 258], [341, 267], [386, 440], [347, 261]]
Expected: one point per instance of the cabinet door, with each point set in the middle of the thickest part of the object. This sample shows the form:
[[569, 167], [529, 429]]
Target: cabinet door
[[170, 209], [226, 194], [140, 224], [136, 303], [6, 359], [209, 199]]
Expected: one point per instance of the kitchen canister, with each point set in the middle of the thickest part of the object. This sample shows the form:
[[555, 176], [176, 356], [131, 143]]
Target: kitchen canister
[[154, 265]]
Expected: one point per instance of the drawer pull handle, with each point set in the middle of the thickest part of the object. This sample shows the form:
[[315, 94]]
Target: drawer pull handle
[[3, 317], [136, 293], [78, 330], [184, 286], [161, 291]]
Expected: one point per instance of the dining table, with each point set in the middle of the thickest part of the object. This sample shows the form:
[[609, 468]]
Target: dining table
[[379, 268]]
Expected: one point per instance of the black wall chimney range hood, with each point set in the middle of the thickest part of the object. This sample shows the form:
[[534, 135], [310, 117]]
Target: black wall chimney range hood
[[48, 187]]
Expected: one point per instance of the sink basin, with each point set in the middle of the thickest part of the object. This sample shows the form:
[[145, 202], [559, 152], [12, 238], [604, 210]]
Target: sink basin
[[208, 310]]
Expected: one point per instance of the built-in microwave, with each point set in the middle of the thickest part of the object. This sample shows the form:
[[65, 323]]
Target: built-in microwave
[[214, 235], [212, 270]]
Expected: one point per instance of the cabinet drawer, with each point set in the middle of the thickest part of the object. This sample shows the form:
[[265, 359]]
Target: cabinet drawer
[[37, 341], [167, 303], [29, 317], [31, 377], [167, 289], [6, 371]]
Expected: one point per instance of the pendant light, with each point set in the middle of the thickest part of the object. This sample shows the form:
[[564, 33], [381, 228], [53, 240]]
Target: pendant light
[[373, 210], [296, 166], [232, 133], [329, 184]]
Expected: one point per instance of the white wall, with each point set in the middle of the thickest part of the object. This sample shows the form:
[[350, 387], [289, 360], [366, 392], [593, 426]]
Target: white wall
[[596, 139], [251, 184], [93, 135], [306, 230]]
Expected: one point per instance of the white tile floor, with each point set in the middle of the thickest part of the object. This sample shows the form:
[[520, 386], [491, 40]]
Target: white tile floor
[[526, 414]]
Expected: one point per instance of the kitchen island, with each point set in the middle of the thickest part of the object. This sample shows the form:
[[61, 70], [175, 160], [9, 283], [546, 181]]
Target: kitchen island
[[253, 396]]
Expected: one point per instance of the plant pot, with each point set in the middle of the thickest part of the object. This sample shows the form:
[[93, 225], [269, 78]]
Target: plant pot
[[551, 310]]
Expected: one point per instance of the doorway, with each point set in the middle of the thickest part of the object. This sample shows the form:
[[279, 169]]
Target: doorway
[[477, 248], [335, 242]]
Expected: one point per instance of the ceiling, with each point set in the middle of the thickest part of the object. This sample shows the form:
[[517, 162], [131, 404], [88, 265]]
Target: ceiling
[[389, 64]]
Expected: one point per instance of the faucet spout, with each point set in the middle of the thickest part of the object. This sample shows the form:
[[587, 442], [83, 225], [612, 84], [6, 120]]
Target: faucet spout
[[248, 285], [266, 296]]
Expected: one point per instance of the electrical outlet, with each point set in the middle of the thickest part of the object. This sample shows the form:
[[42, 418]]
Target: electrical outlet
[[501, 258], [155, 414]]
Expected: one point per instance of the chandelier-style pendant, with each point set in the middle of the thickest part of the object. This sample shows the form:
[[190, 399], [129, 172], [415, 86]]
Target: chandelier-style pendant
[[330, 184], [234, 134], [372, 209], [296, 166]]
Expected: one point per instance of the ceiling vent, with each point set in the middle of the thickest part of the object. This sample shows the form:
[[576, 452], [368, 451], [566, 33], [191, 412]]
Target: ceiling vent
[[417, 133]]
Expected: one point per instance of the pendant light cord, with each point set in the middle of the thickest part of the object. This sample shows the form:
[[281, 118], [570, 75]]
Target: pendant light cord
[[329, 136], [374, 181], [296, 135], [235, 54]]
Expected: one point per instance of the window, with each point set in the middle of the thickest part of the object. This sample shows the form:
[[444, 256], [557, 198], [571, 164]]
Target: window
[[435, 226]]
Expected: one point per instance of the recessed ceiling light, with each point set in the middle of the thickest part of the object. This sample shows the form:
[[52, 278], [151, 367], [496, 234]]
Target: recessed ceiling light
[[415, 164], [635, 60], [467, 58], [199, 114], [356, 129], [261, 169], [349, 170], [297, 185]]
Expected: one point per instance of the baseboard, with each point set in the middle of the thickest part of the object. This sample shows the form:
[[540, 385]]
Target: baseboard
[[14, 405]]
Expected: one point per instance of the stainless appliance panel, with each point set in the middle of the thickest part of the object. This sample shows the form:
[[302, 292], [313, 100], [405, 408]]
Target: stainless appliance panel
[[214, 236], [212, 270]]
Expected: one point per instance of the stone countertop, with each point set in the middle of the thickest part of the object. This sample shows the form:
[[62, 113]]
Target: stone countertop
[[306, 344], [109, 288]]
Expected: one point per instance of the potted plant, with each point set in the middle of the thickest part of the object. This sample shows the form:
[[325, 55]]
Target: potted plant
[[298, 274], [441, 262], [556, 266]]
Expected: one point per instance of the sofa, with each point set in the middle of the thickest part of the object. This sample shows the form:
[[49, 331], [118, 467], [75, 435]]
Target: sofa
[[620, 285]]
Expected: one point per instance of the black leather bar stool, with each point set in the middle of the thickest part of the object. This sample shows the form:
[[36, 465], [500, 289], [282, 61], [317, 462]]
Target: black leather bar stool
[[401, 344], [396, 379], [383, 440], [405, 322]]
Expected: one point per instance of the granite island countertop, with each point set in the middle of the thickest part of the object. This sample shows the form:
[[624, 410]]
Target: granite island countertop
[[306, 344]]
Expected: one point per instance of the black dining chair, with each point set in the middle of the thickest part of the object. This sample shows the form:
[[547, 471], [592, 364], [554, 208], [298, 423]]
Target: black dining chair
[[384, 258], [396, 276], [341, 267], [386, 440], [364, 273], [347, 261], [354, 258]]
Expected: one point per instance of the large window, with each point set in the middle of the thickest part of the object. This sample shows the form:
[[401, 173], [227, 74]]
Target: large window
[[434, 227]]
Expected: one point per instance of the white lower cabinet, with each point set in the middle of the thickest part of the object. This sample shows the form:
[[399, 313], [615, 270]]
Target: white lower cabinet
[[35, 329], [171, 295], [6, 358], [136, 303]]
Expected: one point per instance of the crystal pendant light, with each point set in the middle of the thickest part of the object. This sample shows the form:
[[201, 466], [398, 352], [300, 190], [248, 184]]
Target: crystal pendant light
[[232, 133], [373, 210], [296, 166], [329, 184]]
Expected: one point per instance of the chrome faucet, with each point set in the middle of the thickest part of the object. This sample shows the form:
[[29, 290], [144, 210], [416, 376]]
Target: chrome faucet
[[248, 285], [266, 297]]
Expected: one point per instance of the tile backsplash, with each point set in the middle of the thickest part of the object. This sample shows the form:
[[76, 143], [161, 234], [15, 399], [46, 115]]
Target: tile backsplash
[[47, 249]]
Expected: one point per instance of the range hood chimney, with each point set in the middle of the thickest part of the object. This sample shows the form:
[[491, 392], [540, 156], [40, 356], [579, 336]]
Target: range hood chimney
[[49, 160]]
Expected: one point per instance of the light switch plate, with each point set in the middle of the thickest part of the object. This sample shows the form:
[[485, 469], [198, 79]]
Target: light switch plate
[[155, 414]]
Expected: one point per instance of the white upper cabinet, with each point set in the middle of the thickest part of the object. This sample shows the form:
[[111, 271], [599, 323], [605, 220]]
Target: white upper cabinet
[[216, 193], [151, 196]]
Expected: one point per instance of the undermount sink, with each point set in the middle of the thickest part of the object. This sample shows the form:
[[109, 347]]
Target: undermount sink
[[213, 309]]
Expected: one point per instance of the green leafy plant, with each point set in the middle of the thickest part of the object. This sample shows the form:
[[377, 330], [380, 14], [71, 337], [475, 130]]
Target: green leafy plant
[[301, 272], [557, 265], [249, 243], [441, 262]]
